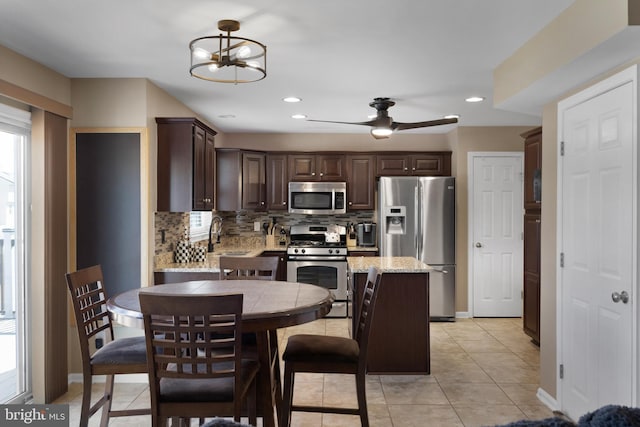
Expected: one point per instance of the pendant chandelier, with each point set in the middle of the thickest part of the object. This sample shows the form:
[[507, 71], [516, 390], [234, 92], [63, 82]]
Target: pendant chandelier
[[226, 58]]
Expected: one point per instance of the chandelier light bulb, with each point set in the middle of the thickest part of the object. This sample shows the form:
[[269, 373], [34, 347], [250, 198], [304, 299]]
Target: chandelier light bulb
[[201, 53], [243, 52], [213, 68]]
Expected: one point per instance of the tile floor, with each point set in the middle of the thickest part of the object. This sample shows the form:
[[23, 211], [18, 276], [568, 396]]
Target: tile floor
[[483, 372]]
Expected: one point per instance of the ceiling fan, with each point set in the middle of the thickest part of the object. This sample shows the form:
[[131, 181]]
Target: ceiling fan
[[383, 125]]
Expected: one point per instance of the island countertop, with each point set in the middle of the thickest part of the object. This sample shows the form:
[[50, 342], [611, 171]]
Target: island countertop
[[387, 264]]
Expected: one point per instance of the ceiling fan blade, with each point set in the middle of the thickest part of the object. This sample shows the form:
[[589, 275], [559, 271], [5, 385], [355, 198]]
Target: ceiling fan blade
[[368, 123], [403, 126]]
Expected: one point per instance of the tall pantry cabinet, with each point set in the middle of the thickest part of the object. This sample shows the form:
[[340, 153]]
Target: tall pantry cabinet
[[532, 206]]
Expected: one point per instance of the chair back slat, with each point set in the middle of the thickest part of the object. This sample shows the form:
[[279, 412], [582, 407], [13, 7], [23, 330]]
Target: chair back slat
[[89, 306], [367, 306], [193, 337], [238, 268]]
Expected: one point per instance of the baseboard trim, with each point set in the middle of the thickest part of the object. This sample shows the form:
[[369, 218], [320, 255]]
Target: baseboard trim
[[463, 315], [128, 378], [549, 401]]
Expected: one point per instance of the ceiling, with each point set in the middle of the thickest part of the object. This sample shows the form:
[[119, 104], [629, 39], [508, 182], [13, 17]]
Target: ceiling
[[336, 55]]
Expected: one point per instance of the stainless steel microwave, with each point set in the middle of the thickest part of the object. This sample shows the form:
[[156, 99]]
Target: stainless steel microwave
[[313, 198]]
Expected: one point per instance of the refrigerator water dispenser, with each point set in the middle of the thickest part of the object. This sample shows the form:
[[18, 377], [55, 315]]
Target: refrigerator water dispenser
[[395, 219]]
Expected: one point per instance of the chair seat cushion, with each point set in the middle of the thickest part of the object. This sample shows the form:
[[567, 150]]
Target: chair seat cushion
[[321, 348], [205, 389], [123, 351]]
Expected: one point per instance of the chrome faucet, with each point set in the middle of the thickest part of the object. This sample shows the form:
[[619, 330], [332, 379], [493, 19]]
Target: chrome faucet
[[218, 229]]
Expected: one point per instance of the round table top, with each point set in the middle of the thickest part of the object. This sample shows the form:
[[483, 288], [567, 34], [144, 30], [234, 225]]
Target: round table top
[[266, 305]]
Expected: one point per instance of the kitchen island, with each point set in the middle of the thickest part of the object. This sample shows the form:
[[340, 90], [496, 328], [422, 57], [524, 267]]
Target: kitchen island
[[400, 342]]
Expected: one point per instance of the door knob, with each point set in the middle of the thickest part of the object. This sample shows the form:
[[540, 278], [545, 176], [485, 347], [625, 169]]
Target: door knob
[[478, 245], [622, 296]]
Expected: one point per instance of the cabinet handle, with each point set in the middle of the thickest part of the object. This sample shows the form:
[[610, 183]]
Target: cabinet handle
[[350, 203], [321, 174], [313, 174], [413, 169], [262, 203], [406, 169], [284, 203]]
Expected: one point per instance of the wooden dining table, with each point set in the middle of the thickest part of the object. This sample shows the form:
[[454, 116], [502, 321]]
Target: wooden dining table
[[267, 306]]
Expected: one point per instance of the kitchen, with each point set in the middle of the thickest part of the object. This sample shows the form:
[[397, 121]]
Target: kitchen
[[127, 103]]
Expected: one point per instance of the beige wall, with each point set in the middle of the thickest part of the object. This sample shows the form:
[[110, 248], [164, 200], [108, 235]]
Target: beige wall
[[580, 27]]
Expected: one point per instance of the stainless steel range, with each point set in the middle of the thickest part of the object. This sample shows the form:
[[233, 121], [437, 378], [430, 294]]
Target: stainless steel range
[[317, 255]]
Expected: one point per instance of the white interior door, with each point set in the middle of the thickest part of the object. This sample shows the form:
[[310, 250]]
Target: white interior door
[[496, 234], [598, 246]]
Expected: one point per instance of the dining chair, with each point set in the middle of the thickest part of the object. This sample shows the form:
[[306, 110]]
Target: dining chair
[[238, 267], [258, 268], [194, 354], [333, 355], [121, 356]]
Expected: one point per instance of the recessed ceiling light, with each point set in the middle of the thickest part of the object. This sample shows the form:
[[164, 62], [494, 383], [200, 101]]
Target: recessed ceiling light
[[291, 99], [299, 116], [475, 99], [227, 116], [452, 116]]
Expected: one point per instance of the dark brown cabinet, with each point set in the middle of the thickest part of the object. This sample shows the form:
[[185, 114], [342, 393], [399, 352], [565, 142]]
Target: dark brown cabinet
[[531, 305], [361, 180], [419, 164], [281, 274], [277, 182], [400, 341], [316, 167], [533, 169], [241, 180], [185, 166], [532, 205], [362, 253]]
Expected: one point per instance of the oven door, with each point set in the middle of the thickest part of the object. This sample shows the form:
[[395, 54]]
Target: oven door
[[328, 274]]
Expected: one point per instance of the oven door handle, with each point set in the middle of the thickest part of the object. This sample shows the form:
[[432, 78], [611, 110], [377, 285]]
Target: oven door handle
[[316, 258]]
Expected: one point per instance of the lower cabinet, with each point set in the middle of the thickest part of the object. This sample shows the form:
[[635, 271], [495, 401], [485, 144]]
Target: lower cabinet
[[399, 341], [282, 263], [531, 285], [363, 253]]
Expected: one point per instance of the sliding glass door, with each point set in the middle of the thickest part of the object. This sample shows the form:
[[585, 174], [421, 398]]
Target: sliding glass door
[[15, 381]]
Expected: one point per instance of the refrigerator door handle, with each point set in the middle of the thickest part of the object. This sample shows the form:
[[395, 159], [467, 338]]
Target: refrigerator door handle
[[435, 270]]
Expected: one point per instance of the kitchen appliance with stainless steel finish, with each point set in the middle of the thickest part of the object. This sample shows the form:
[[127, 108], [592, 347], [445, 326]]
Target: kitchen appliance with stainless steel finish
[[417, 218], [317, 254], [366, 234], [313, 198]]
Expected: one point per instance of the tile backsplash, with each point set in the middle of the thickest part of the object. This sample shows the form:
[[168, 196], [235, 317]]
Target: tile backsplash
[[237, 227]]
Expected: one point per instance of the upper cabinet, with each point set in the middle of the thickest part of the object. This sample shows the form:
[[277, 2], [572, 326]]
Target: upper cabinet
[[186, 165], [277, 182], [422, 164], [316, 167], [241, 180], [361, 180], [533, 169]]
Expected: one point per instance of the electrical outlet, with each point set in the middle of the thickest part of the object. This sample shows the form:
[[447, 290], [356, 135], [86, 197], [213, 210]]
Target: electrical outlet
[[257, 226]]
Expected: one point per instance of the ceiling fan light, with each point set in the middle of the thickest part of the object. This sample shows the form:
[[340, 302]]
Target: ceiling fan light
[[381, 131]]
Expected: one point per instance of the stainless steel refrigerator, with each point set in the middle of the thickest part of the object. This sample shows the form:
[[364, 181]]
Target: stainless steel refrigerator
[[417, 217]]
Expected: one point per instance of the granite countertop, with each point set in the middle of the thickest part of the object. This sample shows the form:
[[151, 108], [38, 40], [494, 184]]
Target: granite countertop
[[362, 248], [165, 263], [387, 264]]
